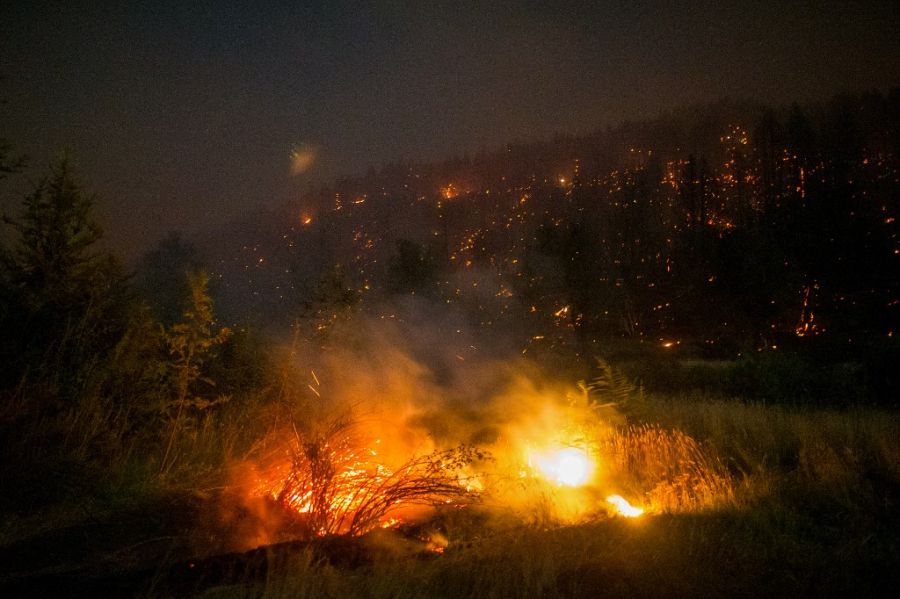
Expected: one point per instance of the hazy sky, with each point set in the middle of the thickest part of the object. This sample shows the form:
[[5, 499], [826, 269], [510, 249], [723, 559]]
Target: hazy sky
[[180, 113]]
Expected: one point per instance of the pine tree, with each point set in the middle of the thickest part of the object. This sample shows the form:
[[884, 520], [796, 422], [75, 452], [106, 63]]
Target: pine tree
[[64, 300], [191, 343], [53, 262]]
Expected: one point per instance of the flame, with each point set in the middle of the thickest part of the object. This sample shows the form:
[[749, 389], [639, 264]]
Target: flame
[[339, 495], [437, 543], [567, 467], [623, 507], [449, 192], [562, 312]]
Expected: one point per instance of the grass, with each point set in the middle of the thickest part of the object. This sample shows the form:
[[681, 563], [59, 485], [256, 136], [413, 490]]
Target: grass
[[814, 511], [749, 499], [727, 554]]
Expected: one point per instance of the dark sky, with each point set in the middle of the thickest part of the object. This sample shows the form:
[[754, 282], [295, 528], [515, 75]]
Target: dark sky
[[180, 113]]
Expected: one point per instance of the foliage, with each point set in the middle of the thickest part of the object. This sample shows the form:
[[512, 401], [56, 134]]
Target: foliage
[[331, 301], [669, 469], [190, 344], [610, 385], [65, 303], [781, 376], [9, 164], [56, 231], [813, 512]]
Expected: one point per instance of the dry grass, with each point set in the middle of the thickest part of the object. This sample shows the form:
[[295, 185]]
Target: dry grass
[[749, 500], [667, 468], [811, 445], [338, 485]]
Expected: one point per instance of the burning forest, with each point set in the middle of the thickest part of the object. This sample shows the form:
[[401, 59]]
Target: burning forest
[[495, 411], [401, 300]]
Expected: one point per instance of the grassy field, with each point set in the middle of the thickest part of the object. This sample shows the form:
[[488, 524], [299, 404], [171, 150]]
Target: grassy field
[[814, 513], [811, 508]]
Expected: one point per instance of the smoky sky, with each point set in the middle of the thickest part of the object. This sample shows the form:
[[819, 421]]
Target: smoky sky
[[185, 114]]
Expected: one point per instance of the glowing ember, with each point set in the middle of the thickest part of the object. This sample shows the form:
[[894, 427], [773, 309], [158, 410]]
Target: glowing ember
[[562, 312], [449, 192], [623, 507], [569, 467]]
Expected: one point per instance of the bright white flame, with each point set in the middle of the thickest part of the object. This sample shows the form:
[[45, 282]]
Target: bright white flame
[[570, 467], [623, 507]]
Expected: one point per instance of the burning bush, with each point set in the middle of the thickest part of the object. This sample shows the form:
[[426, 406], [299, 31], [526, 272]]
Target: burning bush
[[338, 485]]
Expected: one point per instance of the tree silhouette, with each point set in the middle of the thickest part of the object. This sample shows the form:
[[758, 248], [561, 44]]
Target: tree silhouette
[[161, 278], [64, 300]]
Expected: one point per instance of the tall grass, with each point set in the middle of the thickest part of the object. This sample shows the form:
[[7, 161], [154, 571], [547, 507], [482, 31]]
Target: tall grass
[[811, 510], [667, 468], [823, 445]]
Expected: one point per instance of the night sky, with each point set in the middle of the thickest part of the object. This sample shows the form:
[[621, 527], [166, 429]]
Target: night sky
[[185, 114]]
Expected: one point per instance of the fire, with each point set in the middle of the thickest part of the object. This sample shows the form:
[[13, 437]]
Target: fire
[[338, 484], [567, 467], [623, 507], [449, 192], [562, 312], [546, 453]]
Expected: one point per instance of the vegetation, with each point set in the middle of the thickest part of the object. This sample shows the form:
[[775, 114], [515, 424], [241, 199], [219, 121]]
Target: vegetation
[[338, 489], [762, 444], [96, 394], [814, 513]]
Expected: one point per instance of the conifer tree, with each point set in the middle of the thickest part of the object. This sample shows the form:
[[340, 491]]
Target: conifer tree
[[191, 343], [64, 300]]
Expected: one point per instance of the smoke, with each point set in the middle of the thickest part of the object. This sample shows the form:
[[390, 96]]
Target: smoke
[[421, 381], [413, 379]]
